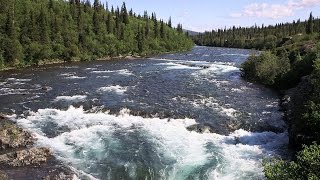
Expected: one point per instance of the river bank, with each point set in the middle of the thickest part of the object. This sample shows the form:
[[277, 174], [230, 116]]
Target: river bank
[[20, 159], [59, 61]]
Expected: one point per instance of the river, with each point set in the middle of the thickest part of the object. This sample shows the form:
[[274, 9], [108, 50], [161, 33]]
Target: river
[[128, 119]]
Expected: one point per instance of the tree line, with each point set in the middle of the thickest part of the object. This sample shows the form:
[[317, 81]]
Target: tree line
[[257, 37], [35, 30]]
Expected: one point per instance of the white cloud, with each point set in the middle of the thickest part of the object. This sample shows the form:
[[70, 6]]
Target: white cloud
[[275, 11]]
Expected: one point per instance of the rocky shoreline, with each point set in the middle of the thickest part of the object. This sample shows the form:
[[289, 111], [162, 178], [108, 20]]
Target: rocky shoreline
[[292, 103], [21, 159]]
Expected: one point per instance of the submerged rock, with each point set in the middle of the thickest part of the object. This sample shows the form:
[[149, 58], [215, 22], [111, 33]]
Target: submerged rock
[[19, 160], [12, 136], [201, 128], [33, 156], [3, 176]]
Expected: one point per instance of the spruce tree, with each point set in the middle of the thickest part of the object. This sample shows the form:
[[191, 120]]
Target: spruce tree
[[124, 14], [155, 26], [43, 27], [162, 31], [110, 24], [170, 23], [309, 28], [147, 28]]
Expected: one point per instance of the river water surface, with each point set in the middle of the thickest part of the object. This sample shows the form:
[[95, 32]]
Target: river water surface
[[128, 119]]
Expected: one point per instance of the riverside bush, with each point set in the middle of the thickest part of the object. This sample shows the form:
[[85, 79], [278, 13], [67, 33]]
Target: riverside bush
[[306, 166]]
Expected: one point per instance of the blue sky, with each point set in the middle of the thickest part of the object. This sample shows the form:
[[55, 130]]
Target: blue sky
[[202, 15]]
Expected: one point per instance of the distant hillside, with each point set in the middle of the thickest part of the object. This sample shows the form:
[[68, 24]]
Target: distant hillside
[[31, 31], [190, 33]]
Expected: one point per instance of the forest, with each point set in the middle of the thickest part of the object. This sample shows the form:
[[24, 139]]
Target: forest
[[34, 31], [290, 63], [259, 37]]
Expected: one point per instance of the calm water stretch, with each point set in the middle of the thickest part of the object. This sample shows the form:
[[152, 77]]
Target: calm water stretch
[[128, 119]]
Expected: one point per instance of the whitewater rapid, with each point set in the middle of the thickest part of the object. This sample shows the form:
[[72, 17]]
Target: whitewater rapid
[[127, 119], [178, 153]]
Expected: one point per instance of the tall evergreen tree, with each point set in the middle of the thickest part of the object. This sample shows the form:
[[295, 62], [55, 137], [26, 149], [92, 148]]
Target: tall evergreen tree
[[309, 28], [10, 30], [162, 31], [124, 14], [170, 23], [110, 23], [155, 26], [43, 27]]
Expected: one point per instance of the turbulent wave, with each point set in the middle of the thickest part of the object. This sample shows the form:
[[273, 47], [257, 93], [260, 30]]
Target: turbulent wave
[[124, 72], [75, 98], [107, 146], [114, 89]]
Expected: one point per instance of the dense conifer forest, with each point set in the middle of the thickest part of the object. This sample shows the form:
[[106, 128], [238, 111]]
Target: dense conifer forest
[[258, 37], [290, 63], [51, 30]]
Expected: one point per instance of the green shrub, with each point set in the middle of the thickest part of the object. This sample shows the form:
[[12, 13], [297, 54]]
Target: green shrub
[[306, 166], [266, 68]]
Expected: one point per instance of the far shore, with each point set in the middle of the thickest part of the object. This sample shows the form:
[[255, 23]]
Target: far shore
[[108, 58], [59, 61]]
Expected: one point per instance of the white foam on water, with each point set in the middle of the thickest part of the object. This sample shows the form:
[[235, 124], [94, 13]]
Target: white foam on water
[[71, 75], [124, 72], [212, 103], [75, 98], [177, 66], [226, 54], [68, 74], [69, 67], [114, 89], [236, 90], [19, 80], [10, 91], [75, 77], [218, 69], [266, 112], [273, 104], [19, 83], [103, 77], [237, 156], [91, 69], [100, 72], [219, 83]]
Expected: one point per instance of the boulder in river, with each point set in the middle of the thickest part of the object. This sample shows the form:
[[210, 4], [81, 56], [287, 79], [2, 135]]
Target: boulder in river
[[201, 128], [12, 136], [3, 175], [32, 156], [19, 160]]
